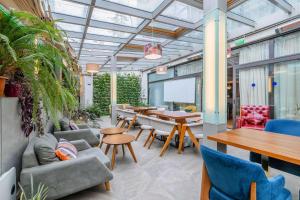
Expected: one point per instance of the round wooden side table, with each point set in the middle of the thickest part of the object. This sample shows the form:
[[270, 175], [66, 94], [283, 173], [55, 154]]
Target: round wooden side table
[[111, 131], [115, 140]]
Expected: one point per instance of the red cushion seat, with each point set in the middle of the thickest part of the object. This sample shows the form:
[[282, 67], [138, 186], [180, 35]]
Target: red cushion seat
[[253, 117]]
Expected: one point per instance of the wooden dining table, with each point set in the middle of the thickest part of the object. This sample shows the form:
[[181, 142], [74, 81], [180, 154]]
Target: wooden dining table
[[268, 144], [141, 109], [180, 117]]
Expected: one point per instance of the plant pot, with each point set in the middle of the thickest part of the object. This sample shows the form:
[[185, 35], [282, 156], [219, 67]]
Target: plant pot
[[13, 89], [2, 85]]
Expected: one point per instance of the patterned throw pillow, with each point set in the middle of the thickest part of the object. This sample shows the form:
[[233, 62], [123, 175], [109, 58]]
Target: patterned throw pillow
[[65, 150]]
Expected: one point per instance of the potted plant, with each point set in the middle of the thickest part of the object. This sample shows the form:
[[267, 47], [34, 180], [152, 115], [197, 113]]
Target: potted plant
[[37, 49]]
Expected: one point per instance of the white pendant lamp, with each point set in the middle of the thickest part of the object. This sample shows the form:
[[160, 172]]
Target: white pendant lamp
[[161, 70], [92, 68]]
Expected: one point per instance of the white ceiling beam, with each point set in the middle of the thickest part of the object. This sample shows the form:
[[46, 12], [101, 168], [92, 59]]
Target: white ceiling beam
[[174, 22], [282, 4], [69, 19], [240, 19], [95, 53], [110, 26], [72, 34]]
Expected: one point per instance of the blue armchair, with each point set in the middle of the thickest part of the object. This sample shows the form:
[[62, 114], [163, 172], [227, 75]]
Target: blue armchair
[[283, 126], [231, 178]]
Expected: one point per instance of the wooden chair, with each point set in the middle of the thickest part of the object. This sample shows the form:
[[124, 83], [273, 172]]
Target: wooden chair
[[145, 124]]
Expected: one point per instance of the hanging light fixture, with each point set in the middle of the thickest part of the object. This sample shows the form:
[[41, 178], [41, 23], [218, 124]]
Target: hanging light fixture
[[92, 68], [152, 50], [161, 70]]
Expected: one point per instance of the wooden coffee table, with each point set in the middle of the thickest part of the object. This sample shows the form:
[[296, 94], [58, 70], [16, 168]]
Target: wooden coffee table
[[111, 131], [120, 139]]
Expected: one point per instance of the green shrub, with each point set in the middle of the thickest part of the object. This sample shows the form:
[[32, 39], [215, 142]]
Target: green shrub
[[128, 91]]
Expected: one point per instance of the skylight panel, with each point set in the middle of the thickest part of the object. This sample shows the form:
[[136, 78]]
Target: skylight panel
[[149, 38], [70, 27], [106, 32], [163, 26], [116, 18], [146, 5], [195, 34], [183, 12], [86, 41], [69, 8]]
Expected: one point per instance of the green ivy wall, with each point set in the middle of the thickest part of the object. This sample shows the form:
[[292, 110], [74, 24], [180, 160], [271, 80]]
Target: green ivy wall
[[128, 91]]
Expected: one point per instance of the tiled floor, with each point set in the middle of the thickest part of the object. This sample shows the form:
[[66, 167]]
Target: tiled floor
[[171, 177]]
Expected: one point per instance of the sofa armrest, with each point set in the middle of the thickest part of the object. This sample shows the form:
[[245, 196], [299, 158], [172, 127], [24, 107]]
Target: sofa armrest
[[85, 134], [66, 177], [83, 126], [81, 144], [277, 184]]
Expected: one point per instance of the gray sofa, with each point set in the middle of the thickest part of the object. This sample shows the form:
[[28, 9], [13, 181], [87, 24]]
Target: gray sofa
[[63, 178], [84, 132]]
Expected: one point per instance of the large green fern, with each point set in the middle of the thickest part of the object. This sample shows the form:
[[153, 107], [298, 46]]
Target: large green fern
[[37, 48]]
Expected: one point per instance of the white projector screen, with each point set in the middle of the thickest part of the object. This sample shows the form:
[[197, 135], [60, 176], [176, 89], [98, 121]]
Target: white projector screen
[[180, 91]]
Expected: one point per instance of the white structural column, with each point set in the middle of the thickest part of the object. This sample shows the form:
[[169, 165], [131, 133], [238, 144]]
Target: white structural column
[[113, 89], [215, 68]]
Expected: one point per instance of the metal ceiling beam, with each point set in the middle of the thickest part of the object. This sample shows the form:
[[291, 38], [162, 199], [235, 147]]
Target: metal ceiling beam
[[101, 47], [89, 15], [111, 26], [241, 19], [282, 4], [174, 22]]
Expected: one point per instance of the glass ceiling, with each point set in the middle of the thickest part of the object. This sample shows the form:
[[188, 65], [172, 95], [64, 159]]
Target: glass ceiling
[[123, 27], [115, 18]]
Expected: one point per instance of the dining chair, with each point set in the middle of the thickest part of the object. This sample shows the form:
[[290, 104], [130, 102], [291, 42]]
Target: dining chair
[[230, 178], [162, 128], [194, 131], [128, 116], [145, 124], [282, 126]]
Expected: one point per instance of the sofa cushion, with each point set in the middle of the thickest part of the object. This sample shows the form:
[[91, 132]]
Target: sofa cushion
[[65, 150], [73, 126], [44, 149], [64, 124], [95, 152]]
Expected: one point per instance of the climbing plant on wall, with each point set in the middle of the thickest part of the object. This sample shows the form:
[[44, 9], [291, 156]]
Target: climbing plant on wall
[[128, 91]]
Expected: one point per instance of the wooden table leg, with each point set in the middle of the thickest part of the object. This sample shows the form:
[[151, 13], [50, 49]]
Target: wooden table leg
[[265, 163], [168, 141], [131, 151], [181, 138], [192, 137], [113, 157], [222, 147], [107, 149]]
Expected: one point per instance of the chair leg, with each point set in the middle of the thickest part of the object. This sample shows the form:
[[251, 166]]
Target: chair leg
[[132, 152], [153, 138], [113, 158], [148, 138], [107, 186], [107, 149], [123, 149], [139, 134], [253, 191], [205, 184]]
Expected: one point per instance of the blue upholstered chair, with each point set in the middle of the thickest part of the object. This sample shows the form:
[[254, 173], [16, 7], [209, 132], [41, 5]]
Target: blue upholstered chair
[[231, 178], [283, 126]]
